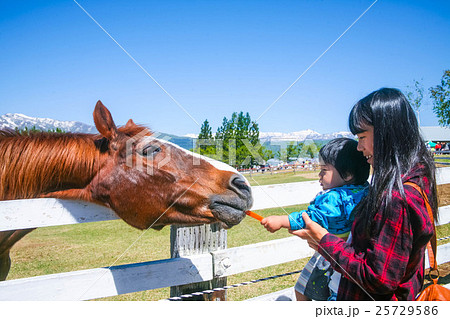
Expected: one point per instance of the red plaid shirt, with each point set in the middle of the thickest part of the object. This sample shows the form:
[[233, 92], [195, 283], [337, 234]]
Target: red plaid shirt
[[390, 265]]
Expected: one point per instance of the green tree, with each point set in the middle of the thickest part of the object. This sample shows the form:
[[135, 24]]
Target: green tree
[[441, 97], [239, 136], [292, 150], [31, 130], [205, 131], [205, 143], [236, 142], [282, 154], [267, 153], [309, 149], [414, 94]]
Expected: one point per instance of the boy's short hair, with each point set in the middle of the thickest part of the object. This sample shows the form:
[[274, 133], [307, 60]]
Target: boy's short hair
[[343, 155]]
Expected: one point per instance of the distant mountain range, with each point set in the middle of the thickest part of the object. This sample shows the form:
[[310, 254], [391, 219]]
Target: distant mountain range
[[20, 121], [300, 136]]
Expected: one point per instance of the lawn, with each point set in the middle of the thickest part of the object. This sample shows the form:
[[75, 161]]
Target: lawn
[[442, 160], [281, 177]]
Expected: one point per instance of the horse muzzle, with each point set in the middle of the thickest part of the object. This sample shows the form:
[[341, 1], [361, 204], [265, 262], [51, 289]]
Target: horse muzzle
[[229, 208]]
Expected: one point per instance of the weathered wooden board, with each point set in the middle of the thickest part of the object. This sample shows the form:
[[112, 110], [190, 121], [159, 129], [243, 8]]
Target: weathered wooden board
[[187, 241]]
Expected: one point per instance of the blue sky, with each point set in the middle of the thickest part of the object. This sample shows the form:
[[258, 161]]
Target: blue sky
[[215, 58]]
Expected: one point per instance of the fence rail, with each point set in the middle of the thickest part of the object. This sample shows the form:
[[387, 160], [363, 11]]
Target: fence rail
[[104, 282]]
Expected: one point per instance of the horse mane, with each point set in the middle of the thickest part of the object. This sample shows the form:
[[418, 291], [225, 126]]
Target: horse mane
[[33, 163]]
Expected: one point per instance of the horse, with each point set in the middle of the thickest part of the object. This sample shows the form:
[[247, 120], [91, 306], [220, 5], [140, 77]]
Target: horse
[[146, 181]]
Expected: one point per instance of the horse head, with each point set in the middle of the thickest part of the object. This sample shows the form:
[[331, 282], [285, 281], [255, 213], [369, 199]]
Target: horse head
[[147, 181], [150, 182]]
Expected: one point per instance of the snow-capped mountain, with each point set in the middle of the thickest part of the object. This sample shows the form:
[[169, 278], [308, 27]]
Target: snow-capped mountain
[[20, 121], [301, 136], [295, 136], [331, 136]]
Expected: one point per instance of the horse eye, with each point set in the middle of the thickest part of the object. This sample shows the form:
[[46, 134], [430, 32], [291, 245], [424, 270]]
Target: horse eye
[[150, 150]]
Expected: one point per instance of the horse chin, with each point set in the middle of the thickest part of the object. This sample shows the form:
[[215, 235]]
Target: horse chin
[[159, 227], [228, 213]]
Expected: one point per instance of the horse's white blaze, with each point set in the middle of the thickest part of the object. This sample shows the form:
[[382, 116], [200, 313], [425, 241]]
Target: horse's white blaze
[[217, 164]]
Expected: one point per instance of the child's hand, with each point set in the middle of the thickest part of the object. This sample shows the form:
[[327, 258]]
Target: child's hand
[[312, 233], [274, 223]]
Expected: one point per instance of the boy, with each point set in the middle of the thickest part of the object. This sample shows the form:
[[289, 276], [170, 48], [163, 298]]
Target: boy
[[343, 176]]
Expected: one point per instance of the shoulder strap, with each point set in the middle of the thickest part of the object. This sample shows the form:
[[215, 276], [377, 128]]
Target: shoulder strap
[[431, 246]]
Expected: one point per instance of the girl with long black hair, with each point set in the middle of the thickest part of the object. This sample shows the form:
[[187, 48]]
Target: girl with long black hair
[[384, 259]]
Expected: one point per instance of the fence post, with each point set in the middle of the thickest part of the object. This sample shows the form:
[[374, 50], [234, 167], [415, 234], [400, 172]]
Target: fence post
[[194, 240]]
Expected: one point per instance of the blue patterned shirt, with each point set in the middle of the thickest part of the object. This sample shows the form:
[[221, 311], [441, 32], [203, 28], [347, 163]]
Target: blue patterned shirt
[[332, 209]]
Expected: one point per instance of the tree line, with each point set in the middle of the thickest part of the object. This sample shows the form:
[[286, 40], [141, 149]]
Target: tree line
[[236, 142], [30, 130]]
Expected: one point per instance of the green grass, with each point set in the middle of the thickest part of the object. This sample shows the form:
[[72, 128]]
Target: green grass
[[280, 177], [442, 159], [443, 231]]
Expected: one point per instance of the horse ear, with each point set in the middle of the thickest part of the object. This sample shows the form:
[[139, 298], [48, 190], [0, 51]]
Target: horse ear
[[130, 124], [104, 122]]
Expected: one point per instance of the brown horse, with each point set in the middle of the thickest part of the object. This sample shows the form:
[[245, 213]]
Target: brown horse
[[148, 182]]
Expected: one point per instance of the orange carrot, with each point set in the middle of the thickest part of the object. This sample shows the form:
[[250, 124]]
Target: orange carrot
[[254, 215]]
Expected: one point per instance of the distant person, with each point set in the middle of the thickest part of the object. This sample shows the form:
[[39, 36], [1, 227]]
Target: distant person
[[384, 260], [438, 147], [343, 176]]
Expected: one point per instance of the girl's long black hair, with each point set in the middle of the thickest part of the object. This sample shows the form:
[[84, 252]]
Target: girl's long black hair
[[398, 148]]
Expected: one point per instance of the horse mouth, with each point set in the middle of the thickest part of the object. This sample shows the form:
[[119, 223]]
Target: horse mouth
[[230, 210]]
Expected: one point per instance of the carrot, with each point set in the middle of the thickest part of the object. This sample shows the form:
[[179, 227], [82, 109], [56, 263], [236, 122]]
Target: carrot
[[254, 215]]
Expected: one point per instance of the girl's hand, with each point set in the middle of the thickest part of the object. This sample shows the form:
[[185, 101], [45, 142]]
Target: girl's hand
[[274, 223], [312, 232]]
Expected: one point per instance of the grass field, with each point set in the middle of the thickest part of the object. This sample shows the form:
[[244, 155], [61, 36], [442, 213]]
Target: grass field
[[281, 177], [442, 160], [103, 244]]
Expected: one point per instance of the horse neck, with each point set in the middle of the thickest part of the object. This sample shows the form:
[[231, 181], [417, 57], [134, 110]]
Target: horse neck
[[35, 165]]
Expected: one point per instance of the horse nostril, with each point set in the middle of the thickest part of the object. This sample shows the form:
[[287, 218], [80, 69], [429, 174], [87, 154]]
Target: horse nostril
[[240, 185]]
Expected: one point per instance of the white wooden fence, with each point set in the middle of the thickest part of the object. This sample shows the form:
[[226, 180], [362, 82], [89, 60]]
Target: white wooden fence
[[105, 282]]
